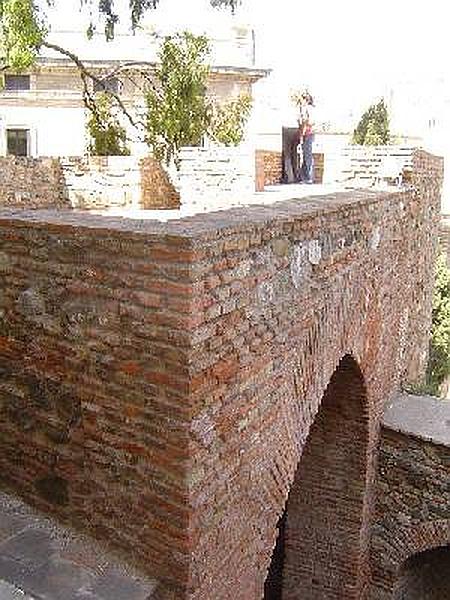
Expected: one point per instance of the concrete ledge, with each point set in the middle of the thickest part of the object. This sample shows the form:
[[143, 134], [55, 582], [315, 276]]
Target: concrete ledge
[[424, 417]]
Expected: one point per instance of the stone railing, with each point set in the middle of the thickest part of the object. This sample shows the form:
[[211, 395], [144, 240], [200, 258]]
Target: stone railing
[[208, 178]]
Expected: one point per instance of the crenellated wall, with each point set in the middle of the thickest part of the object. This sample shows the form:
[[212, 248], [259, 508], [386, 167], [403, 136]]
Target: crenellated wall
[[159, 382]]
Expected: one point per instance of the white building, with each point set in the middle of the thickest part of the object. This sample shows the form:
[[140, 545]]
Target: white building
[[42, 112]]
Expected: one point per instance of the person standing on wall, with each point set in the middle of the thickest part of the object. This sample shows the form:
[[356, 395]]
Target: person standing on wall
[[306, 123]]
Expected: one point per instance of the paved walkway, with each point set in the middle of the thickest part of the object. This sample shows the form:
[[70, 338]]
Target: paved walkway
[[41, 560], [271, 194]]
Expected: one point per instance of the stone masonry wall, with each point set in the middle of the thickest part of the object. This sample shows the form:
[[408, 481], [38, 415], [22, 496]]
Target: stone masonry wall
[[287, 296], [31, 182], [413, 506], [212, 178], [159, 381], [94, 411], [98, 182]]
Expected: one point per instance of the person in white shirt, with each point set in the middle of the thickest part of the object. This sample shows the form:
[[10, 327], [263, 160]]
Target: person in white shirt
[[306, 125]]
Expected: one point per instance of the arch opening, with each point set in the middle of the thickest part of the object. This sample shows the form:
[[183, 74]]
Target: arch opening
[[322, 546], [424, 576]]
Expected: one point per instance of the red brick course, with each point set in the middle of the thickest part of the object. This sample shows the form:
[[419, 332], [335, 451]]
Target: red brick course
[[159, 381]]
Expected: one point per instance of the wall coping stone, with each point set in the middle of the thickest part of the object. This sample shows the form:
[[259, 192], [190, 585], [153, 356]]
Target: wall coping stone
[[208, 224], [425, 417]]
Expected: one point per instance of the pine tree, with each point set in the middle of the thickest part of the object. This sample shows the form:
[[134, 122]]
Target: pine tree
[[373, 127]]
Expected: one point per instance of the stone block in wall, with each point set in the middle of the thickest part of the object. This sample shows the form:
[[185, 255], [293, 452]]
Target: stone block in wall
[[215, 177]]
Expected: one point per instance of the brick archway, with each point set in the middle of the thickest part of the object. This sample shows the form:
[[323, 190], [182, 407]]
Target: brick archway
[[422, 576], [403, 546], [324, 546]]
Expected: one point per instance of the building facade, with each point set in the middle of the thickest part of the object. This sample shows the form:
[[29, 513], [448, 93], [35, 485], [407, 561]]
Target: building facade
[[42, 111]]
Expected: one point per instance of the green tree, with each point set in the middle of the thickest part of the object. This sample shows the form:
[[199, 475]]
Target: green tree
[[373, 127], [229, 120], [178, 111], [439, 360], [107, 136], [24, 31]]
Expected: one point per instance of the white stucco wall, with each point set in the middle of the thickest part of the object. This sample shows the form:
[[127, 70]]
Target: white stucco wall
[[53, 131]]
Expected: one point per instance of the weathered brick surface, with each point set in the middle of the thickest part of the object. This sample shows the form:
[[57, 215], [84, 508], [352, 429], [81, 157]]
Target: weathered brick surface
[[157, 191], [160, 380], [31, 182], [412, 515], [269, 168]]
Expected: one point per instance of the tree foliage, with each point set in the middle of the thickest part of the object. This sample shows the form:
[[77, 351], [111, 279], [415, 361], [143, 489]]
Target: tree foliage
[[23, 31], [439, 361], [107, 136], [178, 112], [373, 127], [229, 120]]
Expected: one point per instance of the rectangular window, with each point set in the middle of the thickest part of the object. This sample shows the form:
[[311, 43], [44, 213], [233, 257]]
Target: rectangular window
[[111, 84], [18, 142], [17, 83]]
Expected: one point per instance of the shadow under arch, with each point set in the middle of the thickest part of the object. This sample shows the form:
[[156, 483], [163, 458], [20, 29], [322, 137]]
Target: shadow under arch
[[424, 576], [322, 544]]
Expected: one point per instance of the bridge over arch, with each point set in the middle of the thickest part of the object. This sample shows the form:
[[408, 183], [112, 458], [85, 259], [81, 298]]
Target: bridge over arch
[[171, 385]]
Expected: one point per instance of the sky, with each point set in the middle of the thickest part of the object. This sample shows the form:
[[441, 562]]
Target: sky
[[347, 52]]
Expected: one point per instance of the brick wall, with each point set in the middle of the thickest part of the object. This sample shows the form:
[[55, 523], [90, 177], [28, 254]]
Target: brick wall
[[31, 182], [269, 168], [94, 415], [160, 380], [413, 515], [157, 191]]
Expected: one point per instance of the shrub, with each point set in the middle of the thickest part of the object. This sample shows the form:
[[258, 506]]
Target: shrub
[[107, 136], [373, 127], [439, 361], [229, 120]]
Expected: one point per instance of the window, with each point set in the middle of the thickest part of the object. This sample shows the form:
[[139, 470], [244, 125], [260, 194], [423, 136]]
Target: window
[[17, 141], [17, 83], [111, 84]]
